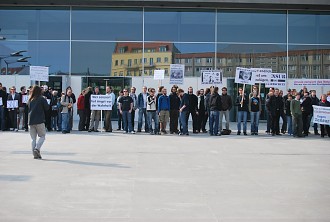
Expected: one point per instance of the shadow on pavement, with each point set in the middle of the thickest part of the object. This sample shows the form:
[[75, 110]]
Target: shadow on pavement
[[114, 165], [19, 178]]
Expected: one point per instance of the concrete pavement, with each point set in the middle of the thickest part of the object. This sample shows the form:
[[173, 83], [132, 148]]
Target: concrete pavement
[[142, 178]]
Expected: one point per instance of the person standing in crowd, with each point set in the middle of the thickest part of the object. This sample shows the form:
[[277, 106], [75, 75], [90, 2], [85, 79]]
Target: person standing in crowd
[[307, 109], [142, 105], [226, 105], [325, 128], [134, 97], [282, 114], [73, 97], [125, 108], [163, 110], [183, 109], [81, 110], [22, 109], [66, 103], [54, 109], [3, 102], [315, 102], [288, 113], [268, 112], [242, 103], [12, 112], [328, 96], [48, 96], [59, 116], [152, 112], [95, 115], [201, 109], [254, 90], [275, 106], [37, 106], [120, 116], [303, 91], [193, 103], [174, 110], [255, 110], [87, 106], [108, 113], [296, 116], [214, 107]]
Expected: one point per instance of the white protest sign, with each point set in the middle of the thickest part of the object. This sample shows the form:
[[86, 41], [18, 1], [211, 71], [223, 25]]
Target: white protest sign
[[159, 74], [261, 75], [12, 104], [311, 82], [176, 73], [244, 76], [101, 102], [25, 98], [39, 73], [277, 80], [1, 101], [211, 77], [321, 115]]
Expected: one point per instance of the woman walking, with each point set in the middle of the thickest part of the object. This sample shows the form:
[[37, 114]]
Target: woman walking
[[37, 106]]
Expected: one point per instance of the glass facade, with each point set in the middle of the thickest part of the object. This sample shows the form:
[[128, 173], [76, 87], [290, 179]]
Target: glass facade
[[124, 42]]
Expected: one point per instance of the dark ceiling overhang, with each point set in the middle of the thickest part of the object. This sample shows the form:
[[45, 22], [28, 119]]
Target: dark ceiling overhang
[[236, 4]]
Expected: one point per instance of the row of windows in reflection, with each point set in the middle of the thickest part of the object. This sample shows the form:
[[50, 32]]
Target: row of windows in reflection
[[161, 24]]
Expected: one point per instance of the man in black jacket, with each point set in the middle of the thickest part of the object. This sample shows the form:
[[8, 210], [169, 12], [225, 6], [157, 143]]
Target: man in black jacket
[[226, 107], [174, 110], [3, 101], [214, 107], [307, 109], [242, 103], [315, 101], [276, 108], [193, 103], [202, 113]]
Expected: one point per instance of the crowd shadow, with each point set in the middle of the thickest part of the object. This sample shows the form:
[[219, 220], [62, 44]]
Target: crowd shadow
[[77, 162], [14, 178], [44, 152]]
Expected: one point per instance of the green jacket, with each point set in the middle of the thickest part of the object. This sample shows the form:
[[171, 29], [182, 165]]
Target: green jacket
[[295, 108]]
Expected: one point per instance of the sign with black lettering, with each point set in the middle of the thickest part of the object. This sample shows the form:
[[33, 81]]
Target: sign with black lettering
[[101, 102], [277, 80]]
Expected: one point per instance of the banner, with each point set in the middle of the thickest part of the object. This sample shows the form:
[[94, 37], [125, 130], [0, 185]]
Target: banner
[[101, 102], [244, 76], [159, 74], [321, 115], [311, 82], [176, 73], [12, 104], [39, 73], [277, 80], [211, 76], [261, 75]]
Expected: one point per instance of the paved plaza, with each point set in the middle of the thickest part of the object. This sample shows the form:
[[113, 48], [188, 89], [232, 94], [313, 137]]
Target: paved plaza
[[87, 177]]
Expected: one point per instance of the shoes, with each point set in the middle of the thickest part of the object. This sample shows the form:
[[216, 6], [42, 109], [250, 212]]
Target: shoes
[[89, 130], [204, 131], [16, 130], [26, 130], [96, 131], [252, 133], [139, 131], [132, 132], [218, 134], [245, 134], [171, 132], [151, 133], [125, 132], [316, 133], [36, 154], [195, 132], [64, 132], [278, 134], [238, 133]]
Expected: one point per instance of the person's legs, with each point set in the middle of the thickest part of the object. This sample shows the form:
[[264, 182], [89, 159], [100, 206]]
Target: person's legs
[[2, 120], [227, 119], [97, 119], [300, 125], [195, 121], [305, 122], [81, 120], [172, 129], [253, 115], [289, 123], [129, 122], [239, 120], [41, 130], [295, 125], [322, 130], [140, 119], [125, 120], [256, 128], [222, 113], [132, 117], [183, 119], [33, 135], [156, 119], [284, 124], [150, 117], [146, 128], [26, 118], [91, 123], [59, 121], [110, 121], [216, 123], [211, 123], [245, 121], [65, 122]]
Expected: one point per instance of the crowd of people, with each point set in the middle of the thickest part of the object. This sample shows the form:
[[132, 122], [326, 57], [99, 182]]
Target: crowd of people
[[161, 112]]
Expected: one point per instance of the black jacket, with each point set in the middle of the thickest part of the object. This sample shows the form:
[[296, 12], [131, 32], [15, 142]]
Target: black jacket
[[226, 102], [193, 102], [37, 108], [275, 104], [245, 106], [215, 102], [174, 101], [307, 105]]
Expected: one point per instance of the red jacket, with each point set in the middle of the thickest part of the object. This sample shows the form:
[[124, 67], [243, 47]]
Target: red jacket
[[81, 102]]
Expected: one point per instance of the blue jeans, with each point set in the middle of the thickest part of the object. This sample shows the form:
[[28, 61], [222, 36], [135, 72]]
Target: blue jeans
[[143, 111], [65, 121], [127, 119], [289, 121], [184, 126], [54, 122], [153, 116], [2, 118], [214, 122], [241, 116], [59, 121], [254, 121]]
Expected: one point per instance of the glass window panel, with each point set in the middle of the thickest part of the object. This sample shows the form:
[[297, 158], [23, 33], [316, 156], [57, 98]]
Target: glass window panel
[[52, 54], [309, 28], [179, 25], [35, 24], [107, 24], [251, 27]]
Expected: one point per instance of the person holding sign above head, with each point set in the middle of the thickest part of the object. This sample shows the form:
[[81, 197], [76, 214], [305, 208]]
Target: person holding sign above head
[[325, 129], [95, 115], [37, 106], [12, 106], [125, 108], [242, 102], [66, 102]]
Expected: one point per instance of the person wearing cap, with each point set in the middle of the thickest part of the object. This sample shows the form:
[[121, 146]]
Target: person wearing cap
[[12, 111]]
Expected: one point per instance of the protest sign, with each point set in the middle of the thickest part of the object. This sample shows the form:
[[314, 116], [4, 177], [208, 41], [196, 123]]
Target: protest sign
[[159, 74], [261, 75], [277, 80], [211, 77], [176, 73], [311, 82], [244, 76], [321, 115], [12, 104], [1, 101], [101, 102], [25, 98], [39, 73]]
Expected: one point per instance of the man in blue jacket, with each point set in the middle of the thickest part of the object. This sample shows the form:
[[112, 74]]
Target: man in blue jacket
[[163, 110]]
